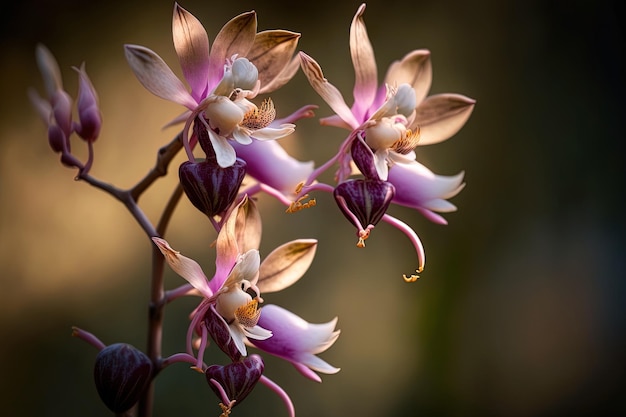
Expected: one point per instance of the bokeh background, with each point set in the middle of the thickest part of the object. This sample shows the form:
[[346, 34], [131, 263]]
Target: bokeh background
[[520, 311]]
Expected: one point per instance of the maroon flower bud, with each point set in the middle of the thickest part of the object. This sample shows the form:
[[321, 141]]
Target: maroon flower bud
[[122, 374], [56, 138], [209, 187], [237, 379], [363, 157], [88, 109], [218, 329], [364, 202]]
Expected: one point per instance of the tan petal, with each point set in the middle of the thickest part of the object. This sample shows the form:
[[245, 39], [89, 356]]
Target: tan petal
[[286, 264], [326, 90], [284, 77], [236, 37], [366, 75], [192, 47], [415, 69], [226, 244], [441, 116], [185, 267], [271, 52], [248, 226], [154, 74]]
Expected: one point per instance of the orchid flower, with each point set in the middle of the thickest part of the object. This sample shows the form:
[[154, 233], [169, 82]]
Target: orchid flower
[[56, 110], [386, 123], [228, 304], [394, 117], [240, 64], [239, 270]]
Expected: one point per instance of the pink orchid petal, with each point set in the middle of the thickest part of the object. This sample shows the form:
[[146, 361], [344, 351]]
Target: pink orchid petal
[[271, 53], [270, 164], [420, 188], [432, 216], [185, 267], [154, 74], [320, 365], [441, 116], [306, 372], [296, 340], [335, 121], [415, 69], [192, 47], [326, 90], [366, 75], [236, 37]]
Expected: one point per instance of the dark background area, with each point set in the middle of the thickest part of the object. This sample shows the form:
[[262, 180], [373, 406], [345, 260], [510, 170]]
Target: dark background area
[[520, 311]]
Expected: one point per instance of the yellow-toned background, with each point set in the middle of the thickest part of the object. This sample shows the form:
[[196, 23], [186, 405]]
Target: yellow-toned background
[[520, 310]]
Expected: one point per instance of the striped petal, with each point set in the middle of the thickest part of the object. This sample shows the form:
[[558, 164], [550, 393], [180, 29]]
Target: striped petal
[[192, 47], [441, 116], [154, 74]]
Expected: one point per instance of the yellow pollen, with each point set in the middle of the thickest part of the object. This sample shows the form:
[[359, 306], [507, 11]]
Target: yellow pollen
[[260, 117], [413, 277], [407, 142], [298, 205], [248, 315], [226, 409], [363, 234]]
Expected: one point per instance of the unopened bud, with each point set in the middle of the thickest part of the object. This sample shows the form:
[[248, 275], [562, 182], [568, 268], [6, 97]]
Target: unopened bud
[[56, 138], [209, 187], [88, 110], [237, 379], [364, 200], [122, 374]]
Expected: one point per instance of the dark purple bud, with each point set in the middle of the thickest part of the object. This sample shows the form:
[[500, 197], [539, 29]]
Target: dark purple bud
[[363, 157], [122, 374], [237, 378], [88, 110], [218, 329], [364, 200], [211, 188], [56, 138]]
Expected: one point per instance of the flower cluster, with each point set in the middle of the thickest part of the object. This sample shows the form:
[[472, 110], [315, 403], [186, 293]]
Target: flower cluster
[[237, 133]]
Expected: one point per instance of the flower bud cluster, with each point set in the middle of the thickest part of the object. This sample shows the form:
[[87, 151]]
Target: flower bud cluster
[[56, 110]]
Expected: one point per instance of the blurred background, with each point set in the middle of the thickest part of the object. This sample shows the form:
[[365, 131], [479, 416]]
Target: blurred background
[[520, 311]]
